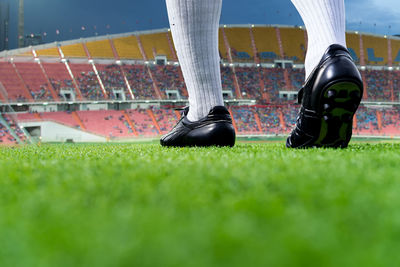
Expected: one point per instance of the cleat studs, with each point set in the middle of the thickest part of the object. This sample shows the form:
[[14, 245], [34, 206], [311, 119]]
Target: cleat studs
[[331, 94], [326, 106], [327, 118]]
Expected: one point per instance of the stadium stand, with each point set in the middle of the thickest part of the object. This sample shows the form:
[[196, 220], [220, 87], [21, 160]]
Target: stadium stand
[[245, 120], [166, 118], [14, 86], [127, 47], [34, 80], [74, 51], [353, 44], [142, 122], [5, 137], [113, 80], [294, 45], [109, 123], [240, 42], [375, 50], [156, 44], [100, 49], [65, 118], [49, 52], [58, 76], [249, 82], [395, 52], [266, 43], [140, 81], [367, 123], [272, 114], [169, 78], [87, 81], [269, 119]]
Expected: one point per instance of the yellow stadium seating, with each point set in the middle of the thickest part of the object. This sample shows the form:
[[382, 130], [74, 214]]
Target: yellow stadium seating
[[74, 50], [100, 49], [240, 43], [395, 51], [266, 40], [158, 42], [294, 44], [127, 47], [379, 52], [49, 52], [353, 43]]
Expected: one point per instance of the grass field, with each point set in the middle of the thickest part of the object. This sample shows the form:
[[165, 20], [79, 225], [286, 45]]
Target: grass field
[[252, 205]]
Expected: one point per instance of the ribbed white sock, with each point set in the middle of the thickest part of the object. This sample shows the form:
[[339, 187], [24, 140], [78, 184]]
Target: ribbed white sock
[[325, 24], [194, 27]]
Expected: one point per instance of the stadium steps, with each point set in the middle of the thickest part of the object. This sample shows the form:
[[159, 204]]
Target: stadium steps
[[171, 46], [10, 130], [365, 85], [26, 91], [3, 93], [265, 94], [362, 54], [116, 57], [379, 119], [130, 122], [50, 87], [282, 120], [279, 38], [254, 46], [58, 72], [144, 56], [78, 120], [89, 56], [389, 52], [33, 76], [235, 80], [233, 120], [282, 53], [153, 118], [258, 121]]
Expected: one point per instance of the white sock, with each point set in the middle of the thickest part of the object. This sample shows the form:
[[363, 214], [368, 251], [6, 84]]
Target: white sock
[[194, 26], [325, 24]]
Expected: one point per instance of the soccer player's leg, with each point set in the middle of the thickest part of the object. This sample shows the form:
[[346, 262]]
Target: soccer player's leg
[[194, 26], [333, 88]]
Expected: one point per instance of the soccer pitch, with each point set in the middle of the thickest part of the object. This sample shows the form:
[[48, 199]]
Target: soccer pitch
[[251, 205]]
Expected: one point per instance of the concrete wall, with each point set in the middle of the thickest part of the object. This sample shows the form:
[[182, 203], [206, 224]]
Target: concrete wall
[[55, 132]]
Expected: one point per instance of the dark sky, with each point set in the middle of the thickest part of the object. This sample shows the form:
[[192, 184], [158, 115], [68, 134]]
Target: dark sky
[[118, 16]]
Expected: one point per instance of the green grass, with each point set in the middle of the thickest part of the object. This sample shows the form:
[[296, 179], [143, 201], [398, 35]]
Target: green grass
[[253, 205]]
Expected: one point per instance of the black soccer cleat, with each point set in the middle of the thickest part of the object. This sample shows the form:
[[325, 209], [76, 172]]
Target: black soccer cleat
[[329, 98], [213, 130]]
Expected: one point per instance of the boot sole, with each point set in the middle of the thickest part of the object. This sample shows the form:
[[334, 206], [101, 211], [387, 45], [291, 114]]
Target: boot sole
[[338, 104]]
